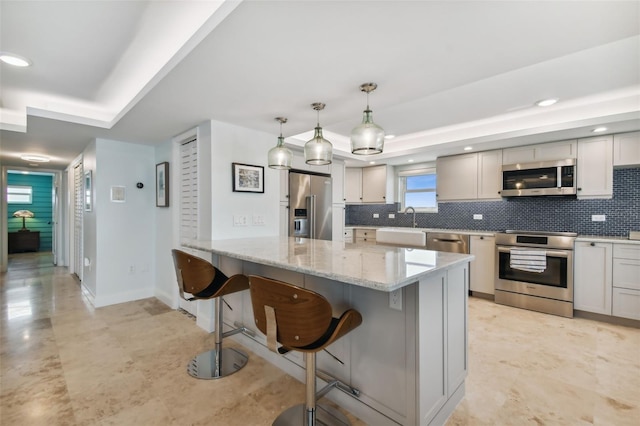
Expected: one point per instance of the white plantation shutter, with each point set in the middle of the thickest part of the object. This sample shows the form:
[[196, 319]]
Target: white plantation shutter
[[189, 189], [78, 204]]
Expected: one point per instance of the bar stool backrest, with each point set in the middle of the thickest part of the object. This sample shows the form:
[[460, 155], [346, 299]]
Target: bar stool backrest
[[194, 274], [302, 316]]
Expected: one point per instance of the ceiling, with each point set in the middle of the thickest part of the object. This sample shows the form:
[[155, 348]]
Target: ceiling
[[450, 74]]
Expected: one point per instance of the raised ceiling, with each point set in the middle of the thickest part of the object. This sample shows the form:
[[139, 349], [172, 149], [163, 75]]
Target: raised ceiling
[[449, 73]]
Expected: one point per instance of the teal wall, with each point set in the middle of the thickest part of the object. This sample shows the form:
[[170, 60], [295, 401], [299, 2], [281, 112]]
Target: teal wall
[[42, 207]]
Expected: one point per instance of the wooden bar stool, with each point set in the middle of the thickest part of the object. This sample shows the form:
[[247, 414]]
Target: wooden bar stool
[[204, 281], [300, 320]]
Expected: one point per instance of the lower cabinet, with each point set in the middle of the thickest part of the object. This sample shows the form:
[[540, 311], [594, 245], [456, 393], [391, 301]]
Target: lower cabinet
[[607, 278], [482, 272], [365, 235], [592, 277]]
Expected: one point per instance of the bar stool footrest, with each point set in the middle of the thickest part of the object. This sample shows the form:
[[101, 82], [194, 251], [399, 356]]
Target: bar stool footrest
[[325, 415], [215, 365]]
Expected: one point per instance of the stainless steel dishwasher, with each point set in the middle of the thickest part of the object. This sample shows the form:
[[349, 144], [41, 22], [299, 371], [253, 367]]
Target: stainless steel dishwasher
[[449, 242]]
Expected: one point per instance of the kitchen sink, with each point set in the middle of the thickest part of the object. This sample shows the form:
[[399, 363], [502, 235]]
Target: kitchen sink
[[404, 237]]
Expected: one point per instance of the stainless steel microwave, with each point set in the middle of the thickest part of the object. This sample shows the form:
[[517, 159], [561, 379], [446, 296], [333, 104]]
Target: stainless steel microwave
[[542, 178]]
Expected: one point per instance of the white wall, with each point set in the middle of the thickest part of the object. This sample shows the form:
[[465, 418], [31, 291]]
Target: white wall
[[120, 236], [167, 229], [230, 144], [89, 225]]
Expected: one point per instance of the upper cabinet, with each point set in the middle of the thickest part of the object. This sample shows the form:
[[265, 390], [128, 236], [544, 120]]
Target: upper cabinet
[[594, 167], [353, 185], [541, 152], [369, 185], [469, 176], [626, 150], [489, 174]]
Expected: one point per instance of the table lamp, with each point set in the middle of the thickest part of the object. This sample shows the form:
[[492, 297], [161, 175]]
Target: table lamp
[[23, 214]]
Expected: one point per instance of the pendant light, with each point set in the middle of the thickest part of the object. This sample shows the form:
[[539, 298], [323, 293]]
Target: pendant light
[[368, 137], [318, 151], [280, 156]]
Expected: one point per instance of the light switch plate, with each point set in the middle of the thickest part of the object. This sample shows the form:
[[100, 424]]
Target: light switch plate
[[598, 218], [392, 215], [376, 215], [477, 217]]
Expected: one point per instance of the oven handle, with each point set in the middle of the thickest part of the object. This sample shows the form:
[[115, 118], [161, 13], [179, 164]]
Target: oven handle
[[553, 253]]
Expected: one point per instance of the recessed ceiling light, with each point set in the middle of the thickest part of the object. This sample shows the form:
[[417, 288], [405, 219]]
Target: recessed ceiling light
[[599, 129], [410, 160], [35, 158], [468, 148], [389, 136], [372, 162], [546, 102], [15, 60]]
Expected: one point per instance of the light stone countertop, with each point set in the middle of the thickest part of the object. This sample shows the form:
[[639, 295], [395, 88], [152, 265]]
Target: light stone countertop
[[605, 239], [383, 268], [450, 231]]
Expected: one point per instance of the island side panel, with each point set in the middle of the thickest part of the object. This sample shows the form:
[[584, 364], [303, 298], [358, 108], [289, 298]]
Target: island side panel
[[383, 353]]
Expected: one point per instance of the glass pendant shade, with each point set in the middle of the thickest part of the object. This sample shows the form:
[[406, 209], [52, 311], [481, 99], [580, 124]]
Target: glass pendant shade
[[318, 151], [368, 137], [280, 156]]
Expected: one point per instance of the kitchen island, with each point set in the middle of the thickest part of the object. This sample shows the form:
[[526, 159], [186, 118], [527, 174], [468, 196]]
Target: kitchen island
[[408, 359]]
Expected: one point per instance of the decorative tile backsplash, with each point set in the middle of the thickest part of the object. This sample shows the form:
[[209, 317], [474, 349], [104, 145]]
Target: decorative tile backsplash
[[525, 213]]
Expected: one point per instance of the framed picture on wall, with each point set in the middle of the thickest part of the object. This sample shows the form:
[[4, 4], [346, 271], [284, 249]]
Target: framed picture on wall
[[247, 178], [162, 184]]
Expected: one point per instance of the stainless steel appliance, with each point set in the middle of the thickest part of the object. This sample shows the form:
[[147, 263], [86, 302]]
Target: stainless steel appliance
[[535, 271], [449, 242], [542, 178], [310, 205]]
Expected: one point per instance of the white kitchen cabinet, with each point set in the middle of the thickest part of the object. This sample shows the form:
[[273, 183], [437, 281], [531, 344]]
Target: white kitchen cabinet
[[348, 235], [353, 185], [365, 235], [592, 286], [374, 184], [457, 177], [626, 281], [626, 150], [541, 152], [368, 185], [489, 174], [284, 185], [469, 176], [337, 182], [337, 222], [284, 219], [595, 167], [482, 272]]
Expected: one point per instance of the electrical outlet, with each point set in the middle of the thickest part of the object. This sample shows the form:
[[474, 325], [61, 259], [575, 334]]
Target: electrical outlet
[[395, 299], [598, 218], [132, 269], [392, 215], [477, 217], [240, 220], [376, 215], [258, 220]]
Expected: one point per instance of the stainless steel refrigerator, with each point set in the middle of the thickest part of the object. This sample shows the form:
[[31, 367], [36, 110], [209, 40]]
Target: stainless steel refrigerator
[[310, 206]]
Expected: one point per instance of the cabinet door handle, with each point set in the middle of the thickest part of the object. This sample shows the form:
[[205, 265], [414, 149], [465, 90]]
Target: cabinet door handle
[[481, 237], [579, 189], [592, 244]]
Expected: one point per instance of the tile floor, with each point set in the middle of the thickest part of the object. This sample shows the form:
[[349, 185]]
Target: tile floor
[[62, 362]]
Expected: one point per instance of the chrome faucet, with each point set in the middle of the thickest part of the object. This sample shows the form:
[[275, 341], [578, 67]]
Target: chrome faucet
[[414, 215]]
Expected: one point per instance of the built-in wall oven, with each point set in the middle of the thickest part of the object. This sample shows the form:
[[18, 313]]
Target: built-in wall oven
[[535, 271]]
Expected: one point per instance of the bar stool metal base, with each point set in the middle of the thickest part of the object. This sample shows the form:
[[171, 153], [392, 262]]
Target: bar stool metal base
[[217, 364], [325, 415]]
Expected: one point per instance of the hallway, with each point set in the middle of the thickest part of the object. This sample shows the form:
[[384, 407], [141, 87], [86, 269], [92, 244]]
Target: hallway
[[62, 362]]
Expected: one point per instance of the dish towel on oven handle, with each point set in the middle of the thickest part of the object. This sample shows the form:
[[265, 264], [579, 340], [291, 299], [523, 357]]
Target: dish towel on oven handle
[[528, 260]]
